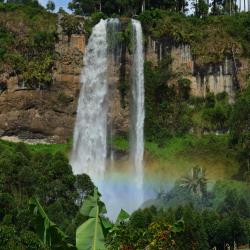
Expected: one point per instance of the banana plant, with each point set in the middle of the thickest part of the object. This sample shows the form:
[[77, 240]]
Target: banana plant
[[51, 235], [91, 234]]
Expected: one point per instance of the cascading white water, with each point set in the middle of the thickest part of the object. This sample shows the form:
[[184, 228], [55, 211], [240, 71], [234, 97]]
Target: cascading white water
[[90, 134], [89, 154], [138, 113]]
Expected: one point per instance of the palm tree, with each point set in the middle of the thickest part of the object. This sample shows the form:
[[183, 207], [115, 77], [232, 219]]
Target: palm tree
[[195, 181]]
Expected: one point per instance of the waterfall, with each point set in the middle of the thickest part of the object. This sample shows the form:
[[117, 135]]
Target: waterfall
[[90, 134], [93, 127], [138, 113]]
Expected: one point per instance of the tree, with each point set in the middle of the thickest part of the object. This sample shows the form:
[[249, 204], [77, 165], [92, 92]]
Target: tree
[[230, 7], [194, 230], [51, 6], [195, 181], [90, 235], [61, 11], [49, 232], [230, 229], [84, 7], [201, 8], [70, 25], [216, 7], [28, 2], [240, 131], [211, 221], [184, 88]]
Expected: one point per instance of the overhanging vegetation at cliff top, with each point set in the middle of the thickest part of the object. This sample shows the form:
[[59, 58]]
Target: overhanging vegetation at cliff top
[[27, 40], [211, 38]]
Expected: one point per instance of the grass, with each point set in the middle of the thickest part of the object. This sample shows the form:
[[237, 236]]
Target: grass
[[180, 154], [190, 145], [120, 143], [46, 148], [175, 158], [50, 148]]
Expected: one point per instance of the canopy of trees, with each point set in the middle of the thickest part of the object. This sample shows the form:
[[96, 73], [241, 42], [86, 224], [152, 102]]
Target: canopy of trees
[[133, 7]]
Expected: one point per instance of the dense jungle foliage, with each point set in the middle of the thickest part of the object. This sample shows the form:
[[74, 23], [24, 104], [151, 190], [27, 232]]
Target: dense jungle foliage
[[231, 33], [28, 34], [190, 216], [27, 37], [210, 218]]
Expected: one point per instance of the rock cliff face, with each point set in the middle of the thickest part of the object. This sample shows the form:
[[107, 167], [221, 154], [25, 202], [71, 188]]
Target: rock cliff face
[[214, 78], [50, 113]]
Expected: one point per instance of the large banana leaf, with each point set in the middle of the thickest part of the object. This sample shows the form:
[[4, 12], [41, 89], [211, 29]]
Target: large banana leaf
[[89, 236], [49, 232], [91, 204]]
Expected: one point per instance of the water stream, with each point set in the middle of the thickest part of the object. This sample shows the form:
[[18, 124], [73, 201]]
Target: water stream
[[92, 131], [138, 113]]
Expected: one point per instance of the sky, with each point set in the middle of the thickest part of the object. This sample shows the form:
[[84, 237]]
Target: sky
[[58, 3]]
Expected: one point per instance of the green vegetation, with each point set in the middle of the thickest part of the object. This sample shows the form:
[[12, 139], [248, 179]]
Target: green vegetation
[[240, 132], [42, 171], [98, 233], [167, 114], [164, 20], [42, 148], [222, 214], [178, 127], [230, 32], [48, 232], [133, 7], [27, 37], [48, 176], [71, 25], [171, 111], [50, 6]]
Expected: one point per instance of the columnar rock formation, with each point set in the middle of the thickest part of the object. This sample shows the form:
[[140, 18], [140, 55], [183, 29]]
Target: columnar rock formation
[[214, 78]]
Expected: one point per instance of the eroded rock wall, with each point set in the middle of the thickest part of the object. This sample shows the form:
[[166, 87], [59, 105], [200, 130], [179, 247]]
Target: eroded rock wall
[[214, 78], [48, 113]]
